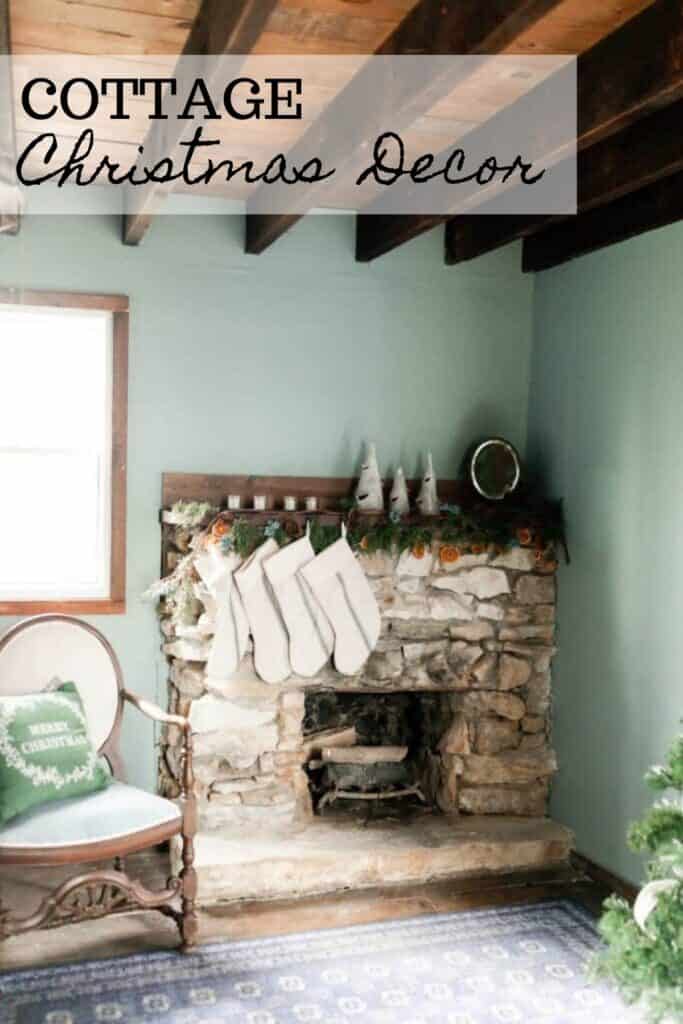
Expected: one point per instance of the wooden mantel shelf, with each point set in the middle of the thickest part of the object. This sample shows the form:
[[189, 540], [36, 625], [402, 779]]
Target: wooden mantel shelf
[[331, 492], [521, 511]]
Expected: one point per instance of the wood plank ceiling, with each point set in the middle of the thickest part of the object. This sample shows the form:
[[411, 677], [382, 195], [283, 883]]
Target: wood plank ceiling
[[623, 79]]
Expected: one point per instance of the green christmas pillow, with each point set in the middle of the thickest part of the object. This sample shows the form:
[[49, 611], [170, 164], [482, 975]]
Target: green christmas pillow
[[45, 751]]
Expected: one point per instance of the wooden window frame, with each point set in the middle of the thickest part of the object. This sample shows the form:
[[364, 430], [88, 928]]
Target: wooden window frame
[[118, 306]]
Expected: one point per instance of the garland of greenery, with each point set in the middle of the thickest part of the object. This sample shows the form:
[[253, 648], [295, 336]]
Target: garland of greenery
[[459, 531], [483, 529]]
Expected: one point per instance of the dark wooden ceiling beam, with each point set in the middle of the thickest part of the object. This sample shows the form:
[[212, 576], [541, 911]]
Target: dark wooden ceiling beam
[[220, 28], [624, 77], [377, 232], [432, 27], [469, 237], [9, 221], [651, 207], [647, 152], [631, 72]]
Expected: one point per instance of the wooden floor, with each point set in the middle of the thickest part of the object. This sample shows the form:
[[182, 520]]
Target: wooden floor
[[135, 932]]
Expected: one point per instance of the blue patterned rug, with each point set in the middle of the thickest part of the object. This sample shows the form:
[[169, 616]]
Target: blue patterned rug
[[516, 964]]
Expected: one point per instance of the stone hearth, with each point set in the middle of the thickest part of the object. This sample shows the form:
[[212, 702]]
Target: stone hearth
[[476, 636], [333, 853]]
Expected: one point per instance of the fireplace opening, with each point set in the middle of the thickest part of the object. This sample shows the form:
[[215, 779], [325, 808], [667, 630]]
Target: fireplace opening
[[375, 753]]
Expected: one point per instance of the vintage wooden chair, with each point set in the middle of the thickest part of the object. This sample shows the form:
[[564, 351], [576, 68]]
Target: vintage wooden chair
[[110, 824]]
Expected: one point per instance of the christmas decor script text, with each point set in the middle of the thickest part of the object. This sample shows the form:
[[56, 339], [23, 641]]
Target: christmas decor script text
[[389, 166]]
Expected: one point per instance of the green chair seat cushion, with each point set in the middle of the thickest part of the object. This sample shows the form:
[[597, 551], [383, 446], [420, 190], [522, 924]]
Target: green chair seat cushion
[[45, 751], [115, 813]]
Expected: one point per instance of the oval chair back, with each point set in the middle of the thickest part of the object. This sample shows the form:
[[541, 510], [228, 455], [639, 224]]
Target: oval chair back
[[40, 649]]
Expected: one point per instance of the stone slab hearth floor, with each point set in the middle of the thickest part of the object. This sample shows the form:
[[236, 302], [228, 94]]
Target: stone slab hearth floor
[[137, 932], [542, 871], [342, 851]]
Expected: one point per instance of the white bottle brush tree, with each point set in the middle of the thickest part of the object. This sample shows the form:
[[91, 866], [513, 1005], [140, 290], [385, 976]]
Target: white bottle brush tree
[[645, 945]]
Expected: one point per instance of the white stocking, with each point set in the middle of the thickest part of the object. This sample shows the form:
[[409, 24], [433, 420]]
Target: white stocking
[[342, 588], [231, 629], [271, 642], [311, 639]]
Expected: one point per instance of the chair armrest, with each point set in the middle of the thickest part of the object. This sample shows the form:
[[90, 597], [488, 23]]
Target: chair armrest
[[153, 711], [187, 780]]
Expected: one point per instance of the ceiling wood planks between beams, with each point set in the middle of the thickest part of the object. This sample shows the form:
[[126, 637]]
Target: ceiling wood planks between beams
[[651, 207], [220, 28], [10, 221], [629, 74], [630, 96], [432, 27]]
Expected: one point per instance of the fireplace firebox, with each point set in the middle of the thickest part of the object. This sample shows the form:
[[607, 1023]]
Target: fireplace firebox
[[375, 753]]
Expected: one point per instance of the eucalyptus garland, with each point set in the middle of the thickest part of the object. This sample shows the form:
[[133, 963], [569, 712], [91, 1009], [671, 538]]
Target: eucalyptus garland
[[461, 532]]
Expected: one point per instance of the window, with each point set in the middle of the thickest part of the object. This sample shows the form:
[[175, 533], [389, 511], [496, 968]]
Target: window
[[63, 385]]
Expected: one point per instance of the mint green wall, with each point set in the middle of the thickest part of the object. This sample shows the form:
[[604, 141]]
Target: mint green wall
[[282, 363], [605, 427]]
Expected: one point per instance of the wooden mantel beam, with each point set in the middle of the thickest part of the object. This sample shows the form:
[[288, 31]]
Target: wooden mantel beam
[[9, 221], [651, 207], [624, 77], [431, 27], [220, 28], [627, 75]]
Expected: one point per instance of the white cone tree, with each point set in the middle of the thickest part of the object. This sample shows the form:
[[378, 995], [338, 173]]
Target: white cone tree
[[399, 504], [428, 499], [369, 495]]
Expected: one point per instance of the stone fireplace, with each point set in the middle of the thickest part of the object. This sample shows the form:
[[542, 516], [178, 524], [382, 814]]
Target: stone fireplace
[[294, 799]]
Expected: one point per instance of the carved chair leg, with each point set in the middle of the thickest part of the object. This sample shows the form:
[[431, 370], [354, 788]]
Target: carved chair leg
[[189, 921], [4, 926]]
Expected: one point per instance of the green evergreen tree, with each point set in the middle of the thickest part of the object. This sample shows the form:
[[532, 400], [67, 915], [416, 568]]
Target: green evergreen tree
[[645, 957]]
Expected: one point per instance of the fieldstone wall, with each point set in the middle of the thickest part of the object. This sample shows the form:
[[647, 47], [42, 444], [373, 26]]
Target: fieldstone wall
[[481, 629]]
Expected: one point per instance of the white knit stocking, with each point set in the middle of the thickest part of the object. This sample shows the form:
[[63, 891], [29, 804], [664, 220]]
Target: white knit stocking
[[271, 641], [311, 639], [342, 588], [231, 629]]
